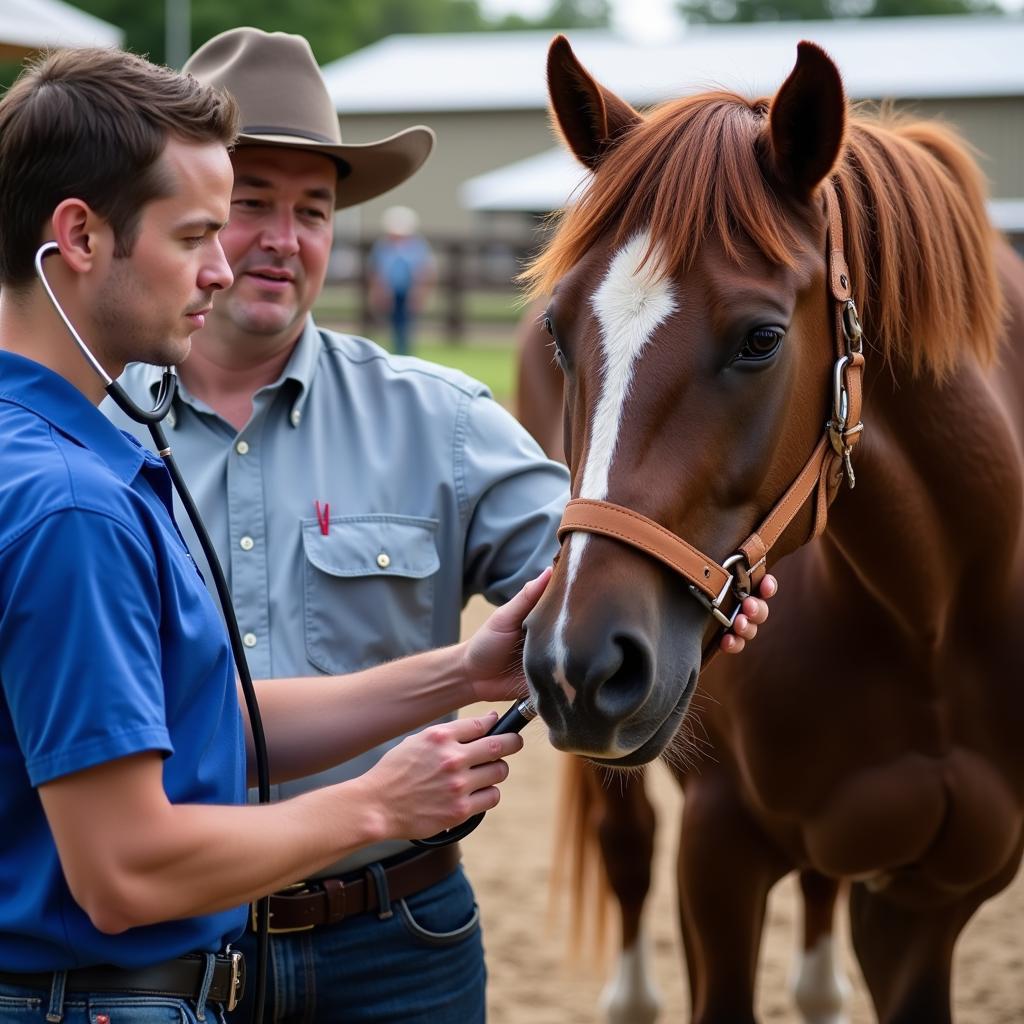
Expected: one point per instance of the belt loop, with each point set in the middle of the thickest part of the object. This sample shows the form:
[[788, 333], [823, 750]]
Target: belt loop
[[55, 1011], [204, 988], [380, 880]]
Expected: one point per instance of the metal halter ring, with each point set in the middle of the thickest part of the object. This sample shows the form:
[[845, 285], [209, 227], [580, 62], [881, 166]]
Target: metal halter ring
[[738, 582], [840, 399], [851, 325]]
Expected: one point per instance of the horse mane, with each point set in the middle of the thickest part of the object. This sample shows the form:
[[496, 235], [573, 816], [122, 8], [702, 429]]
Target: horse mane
[[918, 240]]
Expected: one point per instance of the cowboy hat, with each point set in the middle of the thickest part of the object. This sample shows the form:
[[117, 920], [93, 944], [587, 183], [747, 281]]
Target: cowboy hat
[[284, 102]]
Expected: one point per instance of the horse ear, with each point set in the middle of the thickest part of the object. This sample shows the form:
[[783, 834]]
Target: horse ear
[[592, 119], [808, 120]]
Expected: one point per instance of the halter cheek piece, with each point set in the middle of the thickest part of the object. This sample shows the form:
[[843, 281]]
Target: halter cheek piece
[[712, 582]]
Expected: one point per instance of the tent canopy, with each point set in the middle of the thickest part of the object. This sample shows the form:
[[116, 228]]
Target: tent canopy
[[30, 25]]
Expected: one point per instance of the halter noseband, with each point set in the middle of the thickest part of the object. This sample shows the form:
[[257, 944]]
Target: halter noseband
[[712, 582]]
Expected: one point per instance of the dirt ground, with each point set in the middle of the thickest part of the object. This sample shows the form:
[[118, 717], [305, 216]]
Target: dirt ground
[[509, 857]]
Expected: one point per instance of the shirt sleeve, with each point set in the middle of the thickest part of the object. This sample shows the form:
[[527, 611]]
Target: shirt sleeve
[[514, 498], [80, 644]]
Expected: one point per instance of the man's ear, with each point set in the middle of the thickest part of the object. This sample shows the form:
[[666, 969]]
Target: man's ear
[[808, 121], [80, 233], [591, 119]]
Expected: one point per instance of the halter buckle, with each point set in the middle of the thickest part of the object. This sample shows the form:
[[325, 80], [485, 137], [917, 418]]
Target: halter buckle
[[851, 326], [738, 582], [838, 430]]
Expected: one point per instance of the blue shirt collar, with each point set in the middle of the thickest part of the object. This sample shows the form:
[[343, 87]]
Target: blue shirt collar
[[40, 390]]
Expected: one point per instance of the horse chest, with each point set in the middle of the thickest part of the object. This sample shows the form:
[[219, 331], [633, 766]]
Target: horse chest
[[953, 821]]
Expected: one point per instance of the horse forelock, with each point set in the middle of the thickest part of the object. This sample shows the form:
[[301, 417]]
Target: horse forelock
[[919, 243]]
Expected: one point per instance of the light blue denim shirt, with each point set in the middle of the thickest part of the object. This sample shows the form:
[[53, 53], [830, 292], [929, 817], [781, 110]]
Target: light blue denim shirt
[[436, 493]]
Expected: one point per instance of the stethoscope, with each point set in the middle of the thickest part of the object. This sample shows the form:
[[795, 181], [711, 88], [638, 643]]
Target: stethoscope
[[514, 720]]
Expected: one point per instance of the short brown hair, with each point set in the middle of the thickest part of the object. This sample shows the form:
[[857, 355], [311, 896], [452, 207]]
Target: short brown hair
[[91, 124]]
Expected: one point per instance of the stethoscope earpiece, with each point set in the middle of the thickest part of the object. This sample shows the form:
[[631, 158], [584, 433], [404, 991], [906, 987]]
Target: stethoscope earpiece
[[168, 384]]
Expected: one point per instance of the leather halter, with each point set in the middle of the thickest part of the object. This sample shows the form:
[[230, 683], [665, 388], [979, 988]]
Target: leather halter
[[712, 582]]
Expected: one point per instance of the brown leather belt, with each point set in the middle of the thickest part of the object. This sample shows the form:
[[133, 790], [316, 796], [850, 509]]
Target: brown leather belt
[[181, 978], [330, 900]]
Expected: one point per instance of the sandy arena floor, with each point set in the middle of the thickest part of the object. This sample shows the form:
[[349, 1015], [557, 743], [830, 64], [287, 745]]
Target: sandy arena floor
[[508, 860]]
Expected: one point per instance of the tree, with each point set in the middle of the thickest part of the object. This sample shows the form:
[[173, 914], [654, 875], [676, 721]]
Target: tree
[[332, 28], [564, 14]]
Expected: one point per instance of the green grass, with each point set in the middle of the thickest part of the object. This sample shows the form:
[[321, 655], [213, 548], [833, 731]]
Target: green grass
[[486, 353], [493, 364], [341, 302]]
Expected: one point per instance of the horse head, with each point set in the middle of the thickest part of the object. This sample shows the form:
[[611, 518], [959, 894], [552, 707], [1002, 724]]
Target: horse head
[[694, 318]]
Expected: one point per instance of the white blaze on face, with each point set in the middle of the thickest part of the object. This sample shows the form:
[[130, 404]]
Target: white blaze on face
[[630, 304]]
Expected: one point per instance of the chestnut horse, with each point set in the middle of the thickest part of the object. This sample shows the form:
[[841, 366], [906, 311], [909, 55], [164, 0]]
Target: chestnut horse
[[704, 311]]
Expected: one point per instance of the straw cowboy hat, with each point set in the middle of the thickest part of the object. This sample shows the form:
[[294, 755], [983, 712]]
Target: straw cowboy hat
[[284, 102]]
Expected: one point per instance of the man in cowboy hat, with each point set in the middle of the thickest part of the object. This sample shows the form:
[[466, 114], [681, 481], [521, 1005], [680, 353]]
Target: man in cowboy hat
[[357, 501]]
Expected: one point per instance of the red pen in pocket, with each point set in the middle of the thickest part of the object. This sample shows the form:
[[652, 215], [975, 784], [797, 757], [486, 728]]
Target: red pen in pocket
[[323, 517]]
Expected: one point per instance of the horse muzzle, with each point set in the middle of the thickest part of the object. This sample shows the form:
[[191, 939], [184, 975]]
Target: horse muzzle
[[613, 684]]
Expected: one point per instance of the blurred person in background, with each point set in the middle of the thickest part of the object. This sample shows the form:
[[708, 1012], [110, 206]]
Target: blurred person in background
[[401, 274]]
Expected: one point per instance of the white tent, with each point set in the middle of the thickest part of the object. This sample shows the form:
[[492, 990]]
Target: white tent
[[28, 25], [538, 184]]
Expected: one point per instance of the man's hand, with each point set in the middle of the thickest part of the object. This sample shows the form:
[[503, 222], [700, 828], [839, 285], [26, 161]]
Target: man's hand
[[494, 655], [438, 778], [752, 615]]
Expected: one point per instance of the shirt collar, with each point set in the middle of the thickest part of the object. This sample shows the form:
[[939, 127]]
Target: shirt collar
[[301, 367], [45, 393]]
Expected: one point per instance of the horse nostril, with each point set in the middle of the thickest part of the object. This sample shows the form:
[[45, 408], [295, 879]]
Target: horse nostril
[[622, 683]]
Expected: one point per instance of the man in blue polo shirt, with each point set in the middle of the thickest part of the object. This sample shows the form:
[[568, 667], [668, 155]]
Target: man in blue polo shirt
[[127, 859]]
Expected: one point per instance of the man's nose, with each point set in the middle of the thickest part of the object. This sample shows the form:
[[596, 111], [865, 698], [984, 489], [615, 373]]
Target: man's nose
[[216, 273], [279, 235]]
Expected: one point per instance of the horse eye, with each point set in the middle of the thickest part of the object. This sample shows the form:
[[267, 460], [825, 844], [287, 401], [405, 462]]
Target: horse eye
[[548, 327], [762, 343]]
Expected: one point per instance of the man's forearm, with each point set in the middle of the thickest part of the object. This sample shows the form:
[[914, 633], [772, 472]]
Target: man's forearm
[[132, 858], [313, 723]]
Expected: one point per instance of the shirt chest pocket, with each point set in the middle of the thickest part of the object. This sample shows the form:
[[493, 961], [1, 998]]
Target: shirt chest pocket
[[368, 589]]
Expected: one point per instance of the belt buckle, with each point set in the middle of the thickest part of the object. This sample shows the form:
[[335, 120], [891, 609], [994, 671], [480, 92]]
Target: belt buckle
[[236, 987], [271, 930]]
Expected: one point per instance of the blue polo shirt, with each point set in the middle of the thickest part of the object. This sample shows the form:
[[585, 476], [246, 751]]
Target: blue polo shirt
[[109, 645]]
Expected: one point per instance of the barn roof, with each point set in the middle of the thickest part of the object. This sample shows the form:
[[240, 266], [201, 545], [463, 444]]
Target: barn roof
[[898, 58]]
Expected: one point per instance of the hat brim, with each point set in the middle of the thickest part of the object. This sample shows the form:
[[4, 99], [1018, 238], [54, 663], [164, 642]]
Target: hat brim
[[373, 167]]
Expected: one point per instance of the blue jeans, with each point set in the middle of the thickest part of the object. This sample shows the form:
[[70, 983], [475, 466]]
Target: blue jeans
[[424, 964], [401, 323], [23, 1005]]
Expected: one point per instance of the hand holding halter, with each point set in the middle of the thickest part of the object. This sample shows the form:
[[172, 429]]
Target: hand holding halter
[[514, 720]]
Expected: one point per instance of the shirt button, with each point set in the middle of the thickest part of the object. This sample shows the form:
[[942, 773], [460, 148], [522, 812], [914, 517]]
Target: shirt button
[[296, 417], [246, 543], [249, 639], [383, 559], [242, 447]]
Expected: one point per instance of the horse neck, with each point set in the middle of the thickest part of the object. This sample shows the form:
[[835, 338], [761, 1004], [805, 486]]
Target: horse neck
[[935, 518]]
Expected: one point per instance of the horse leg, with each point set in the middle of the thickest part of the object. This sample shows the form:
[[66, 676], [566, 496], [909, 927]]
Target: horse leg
[[726, 869], [906, 955], [819, 988], [625, 821]]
